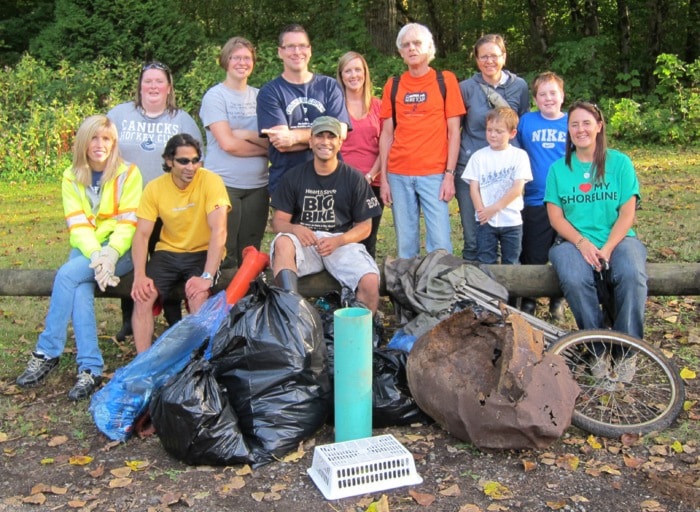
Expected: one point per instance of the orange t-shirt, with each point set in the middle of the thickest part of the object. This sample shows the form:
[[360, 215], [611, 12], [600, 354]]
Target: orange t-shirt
[[420, 137]]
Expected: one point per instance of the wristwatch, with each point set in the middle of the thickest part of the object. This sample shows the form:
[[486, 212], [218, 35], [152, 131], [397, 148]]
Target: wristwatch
[[207, 275], [450, 171]]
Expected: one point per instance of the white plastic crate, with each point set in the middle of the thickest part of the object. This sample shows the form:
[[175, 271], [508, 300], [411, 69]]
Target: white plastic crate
[[365, 465]]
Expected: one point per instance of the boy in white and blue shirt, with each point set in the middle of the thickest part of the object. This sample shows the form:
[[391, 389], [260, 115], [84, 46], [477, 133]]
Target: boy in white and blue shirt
[[497, 175]]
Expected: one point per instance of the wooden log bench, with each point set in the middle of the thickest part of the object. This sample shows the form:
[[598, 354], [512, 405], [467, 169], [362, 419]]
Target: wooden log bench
[[520, 280]]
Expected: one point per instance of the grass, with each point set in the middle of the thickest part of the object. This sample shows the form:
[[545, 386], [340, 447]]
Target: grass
[[33, 236]]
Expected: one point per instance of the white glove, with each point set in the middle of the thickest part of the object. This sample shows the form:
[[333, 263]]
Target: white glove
[[104, 267]]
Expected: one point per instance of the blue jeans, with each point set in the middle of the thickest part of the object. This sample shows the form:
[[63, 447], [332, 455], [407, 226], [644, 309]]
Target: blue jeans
[[467, 216], [73, 297], [488, 239], [411, 194], [628, 273]]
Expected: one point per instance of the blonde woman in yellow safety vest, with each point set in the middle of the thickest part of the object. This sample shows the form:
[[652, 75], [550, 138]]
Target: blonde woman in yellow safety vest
[[100, 196]]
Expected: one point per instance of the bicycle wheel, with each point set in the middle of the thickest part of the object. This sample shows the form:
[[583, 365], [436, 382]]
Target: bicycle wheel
[[627, 385]]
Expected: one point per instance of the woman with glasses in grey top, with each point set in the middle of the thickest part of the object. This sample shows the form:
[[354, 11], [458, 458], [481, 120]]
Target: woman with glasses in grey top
[[491, 87]]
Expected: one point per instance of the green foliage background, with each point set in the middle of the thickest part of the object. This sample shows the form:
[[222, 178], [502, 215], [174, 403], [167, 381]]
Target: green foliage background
[[66, 59]]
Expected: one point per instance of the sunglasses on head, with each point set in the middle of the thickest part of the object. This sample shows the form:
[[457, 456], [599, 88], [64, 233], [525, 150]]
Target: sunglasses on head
[[155, 65], [185, 161]]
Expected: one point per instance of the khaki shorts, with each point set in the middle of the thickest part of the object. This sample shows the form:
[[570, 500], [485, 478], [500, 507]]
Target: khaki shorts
[[347, 264]]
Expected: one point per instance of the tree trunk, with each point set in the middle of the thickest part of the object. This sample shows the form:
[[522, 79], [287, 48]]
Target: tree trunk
[[381, 19], [657, 11], [692, 45], [576, 16], [537, 25], [624, 34], [519, 280], [591, 26]]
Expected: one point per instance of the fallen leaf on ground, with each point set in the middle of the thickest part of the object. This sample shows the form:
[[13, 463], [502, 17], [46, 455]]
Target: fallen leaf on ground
[[381, 505], [170, 498], [452, 490], [556, 505], [122, 472], [47, 460], [258, 496], [137, 465], [245, 470], [469, 507], [278, 488], [593, 442], [568, 462], [116, 483], [37, 488], [658, 449], [497, 491], [652, 506], [3, 437], [496, 507], [606, 468], [98, 471], [59, 490], [80, 460], [422, 498], [629, 439], [110, 445], [57, 440], [632, 462], [35, 499], [294, 456], [237, 482], [687, 374], [577, 498], [77, 503], [528, 465]]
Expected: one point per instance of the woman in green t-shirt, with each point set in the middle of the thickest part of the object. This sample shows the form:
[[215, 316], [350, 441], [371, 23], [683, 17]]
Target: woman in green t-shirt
[[592, 195]]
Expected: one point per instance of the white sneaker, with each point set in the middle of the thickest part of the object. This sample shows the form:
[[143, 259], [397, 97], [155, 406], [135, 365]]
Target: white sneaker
[[600, 367], [626, 369]]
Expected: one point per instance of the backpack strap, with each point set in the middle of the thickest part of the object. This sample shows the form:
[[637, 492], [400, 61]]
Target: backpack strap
[[395, 90]]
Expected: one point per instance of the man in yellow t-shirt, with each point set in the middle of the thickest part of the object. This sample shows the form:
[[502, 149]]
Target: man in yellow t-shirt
[[193, 205]]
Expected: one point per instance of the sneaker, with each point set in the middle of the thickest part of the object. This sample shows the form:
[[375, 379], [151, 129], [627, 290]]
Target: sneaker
[[600, 367], [626, 369], [38, 367], [528, 305], [85, 386], [556, 309]]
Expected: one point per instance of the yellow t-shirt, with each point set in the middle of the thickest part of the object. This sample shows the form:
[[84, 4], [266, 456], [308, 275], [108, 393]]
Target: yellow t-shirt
[[183, 212]]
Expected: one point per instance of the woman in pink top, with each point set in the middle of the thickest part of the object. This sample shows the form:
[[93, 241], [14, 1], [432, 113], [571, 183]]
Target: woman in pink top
[[361, 147]]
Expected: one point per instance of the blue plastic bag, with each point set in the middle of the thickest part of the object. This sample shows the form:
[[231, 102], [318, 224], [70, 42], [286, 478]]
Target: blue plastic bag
[[116, 406]]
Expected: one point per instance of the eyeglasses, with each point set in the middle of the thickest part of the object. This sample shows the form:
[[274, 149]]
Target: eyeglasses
[[186, 161], [486, 58], [295, 47], [237, 58]]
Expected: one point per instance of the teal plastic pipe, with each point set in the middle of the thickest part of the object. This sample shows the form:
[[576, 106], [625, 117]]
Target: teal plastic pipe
[[352, 373]]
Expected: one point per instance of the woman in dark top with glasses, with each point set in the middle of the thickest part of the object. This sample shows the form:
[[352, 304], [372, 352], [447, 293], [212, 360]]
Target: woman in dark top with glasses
[[492, 86], [144, 127]]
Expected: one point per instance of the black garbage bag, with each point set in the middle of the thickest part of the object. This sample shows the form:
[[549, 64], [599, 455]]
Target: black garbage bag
[[271, 359], [194, 420], [392, 402]]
